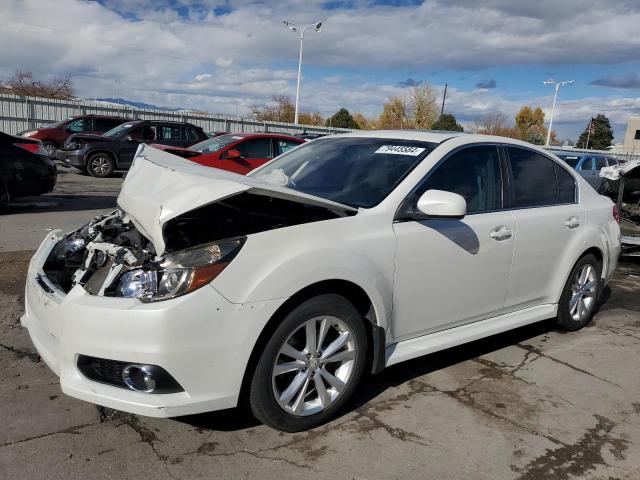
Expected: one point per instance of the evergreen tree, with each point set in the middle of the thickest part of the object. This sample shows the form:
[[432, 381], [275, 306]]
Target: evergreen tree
[[601, 134], [447, 122], [342, 119]]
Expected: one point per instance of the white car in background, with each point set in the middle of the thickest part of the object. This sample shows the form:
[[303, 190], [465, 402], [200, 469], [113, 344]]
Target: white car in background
[[344, 255]]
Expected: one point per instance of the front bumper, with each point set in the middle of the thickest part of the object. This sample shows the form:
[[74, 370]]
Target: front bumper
[[74, 158], [201, 339]]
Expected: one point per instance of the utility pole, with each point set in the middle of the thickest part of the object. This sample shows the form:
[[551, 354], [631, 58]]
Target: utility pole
[[444, 97]]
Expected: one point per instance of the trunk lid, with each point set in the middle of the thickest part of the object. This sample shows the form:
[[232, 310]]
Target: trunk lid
[[160, 186]]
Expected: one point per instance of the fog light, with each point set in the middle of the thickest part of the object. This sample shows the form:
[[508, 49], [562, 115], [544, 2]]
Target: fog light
[[139, 378]]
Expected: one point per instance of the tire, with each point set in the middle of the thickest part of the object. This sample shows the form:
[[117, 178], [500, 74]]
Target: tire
[[50, 147], [327, 386], [579, 298], [100, 165]]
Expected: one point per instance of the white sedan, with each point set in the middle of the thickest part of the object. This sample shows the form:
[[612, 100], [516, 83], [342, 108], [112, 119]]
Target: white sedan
[[344, 255]]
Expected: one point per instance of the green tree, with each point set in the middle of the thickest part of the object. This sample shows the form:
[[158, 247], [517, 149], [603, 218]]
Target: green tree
[[601, 134], [447, 122], [342, 119], [527, 118]]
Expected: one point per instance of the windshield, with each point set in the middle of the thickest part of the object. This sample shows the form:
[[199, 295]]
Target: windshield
[[114, 132], [58, 123], [215, 144], [359, 172], [572, 160]]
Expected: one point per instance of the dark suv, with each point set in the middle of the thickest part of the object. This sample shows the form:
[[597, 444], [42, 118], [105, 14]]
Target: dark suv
[[53, 136], [100, 155]]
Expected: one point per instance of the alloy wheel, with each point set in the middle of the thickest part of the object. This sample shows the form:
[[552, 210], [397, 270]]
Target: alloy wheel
[[100, 166], [583, 293], [314, 366]]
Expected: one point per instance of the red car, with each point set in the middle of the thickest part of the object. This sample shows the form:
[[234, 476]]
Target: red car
[[236, 152], [53, 136]]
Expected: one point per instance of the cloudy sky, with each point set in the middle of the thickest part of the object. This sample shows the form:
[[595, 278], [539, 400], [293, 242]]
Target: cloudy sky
[[226, 55]]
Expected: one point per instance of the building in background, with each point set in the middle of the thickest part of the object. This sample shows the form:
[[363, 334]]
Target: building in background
[[632, 137]]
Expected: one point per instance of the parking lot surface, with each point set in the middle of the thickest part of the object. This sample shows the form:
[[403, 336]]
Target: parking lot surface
[[529, 404]]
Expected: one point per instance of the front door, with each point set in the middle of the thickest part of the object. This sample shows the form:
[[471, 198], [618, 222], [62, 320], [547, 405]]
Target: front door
[[450, 272], [255, 152]]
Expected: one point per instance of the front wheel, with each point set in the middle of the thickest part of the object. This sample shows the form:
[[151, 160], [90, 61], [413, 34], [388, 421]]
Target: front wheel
[[310, 366], [580, 295], [100, 165]]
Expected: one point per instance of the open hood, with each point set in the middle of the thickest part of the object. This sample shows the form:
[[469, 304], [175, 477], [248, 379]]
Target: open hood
[[160, 186], [615, 172]]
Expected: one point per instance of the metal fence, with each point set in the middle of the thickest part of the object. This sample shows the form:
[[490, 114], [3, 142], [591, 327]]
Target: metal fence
[[27, 113]]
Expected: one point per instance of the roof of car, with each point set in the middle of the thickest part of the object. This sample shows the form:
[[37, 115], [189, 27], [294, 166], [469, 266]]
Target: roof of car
[[262, 134]]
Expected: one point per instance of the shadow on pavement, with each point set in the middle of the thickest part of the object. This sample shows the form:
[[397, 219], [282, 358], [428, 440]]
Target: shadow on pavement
[[59, 203]]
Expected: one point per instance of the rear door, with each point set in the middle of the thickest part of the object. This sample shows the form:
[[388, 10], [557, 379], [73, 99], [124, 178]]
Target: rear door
[[103, 125], [549, 223]]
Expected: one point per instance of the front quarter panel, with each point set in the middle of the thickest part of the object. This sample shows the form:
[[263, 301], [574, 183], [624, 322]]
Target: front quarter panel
[[279, 263]]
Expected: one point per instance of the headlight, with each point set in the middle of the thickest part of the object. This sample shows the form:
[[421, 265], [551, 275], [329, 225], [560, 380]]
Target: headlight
[[29, 134], [181, 272]]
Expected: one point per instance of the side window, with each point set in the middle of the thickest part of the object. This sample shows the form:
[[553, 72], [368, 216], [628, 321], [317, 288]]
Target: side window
[[170, 132], [587, 164], [566, 186], [189, 133], [601, 162], [145, 133], [80, 125], [473, 173], [255, 148], [106, 124], [285, 145], [534, 178]]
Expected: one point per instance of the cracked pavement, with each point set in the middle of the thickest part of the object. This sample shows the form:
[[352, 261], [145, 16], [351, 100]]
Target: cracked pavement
[[529, 404]]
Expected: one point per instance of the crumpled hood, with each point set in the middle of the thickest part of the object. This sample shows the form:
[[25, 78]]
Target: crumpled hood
[[615, 172], [160, 186]]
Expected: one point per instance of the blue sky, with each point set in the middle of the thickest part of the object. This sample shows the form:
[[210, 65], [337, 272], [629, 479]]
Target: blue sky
[[226, 56]]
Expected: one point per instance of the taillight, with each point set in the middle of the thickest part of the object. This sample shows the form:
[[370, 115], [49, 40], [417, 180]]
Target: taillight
[[616, 214], [32, 147]]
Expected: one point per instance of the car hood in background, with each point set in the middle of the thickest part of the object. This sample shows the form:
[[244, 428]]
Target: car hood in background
[[87, 138], [160, 186]]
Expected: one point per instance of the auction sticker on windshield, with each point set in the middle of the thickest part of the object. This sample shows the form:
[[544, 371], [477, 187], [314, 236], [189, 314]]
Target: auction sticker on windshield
[[400, 150]]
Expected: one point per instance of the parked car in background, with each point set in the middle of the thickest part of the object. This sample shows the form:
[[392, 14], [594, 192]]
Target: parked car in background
[[237, 152], [53, 136], [284, 287], [25, 168], [309, 136], [216, 134], [587, 165], [100, 155]]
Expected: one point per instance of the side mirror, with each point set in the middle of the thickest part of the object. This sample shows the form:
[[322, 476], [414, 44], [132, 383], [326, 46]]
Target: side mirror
[[441, 204], [233, 155]]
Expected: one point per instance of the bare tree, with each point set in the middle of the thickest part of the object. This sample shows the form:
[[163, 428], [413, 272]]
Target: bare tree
[[23, 83], [424, 111]]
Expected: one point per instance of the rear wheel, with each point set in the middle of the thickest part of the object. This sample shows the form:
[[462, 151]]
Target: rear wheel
[[310, 366], [580, 295], [100, 165]]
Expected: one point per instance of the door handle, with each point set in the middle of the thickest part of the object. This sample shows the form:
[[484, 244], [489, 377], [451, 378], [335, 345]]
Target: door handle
[[501, 233], [572, 222]]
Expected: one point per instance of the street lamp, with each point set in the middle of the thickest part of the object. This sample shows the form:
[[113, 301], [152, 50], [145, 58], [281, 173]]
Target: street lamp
[[295, 27], [555, 95]]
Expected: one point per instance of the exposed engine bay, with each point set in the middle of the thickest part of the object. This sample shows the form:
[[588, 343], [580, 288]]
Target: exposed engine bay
[[109, 256], [622, 184]]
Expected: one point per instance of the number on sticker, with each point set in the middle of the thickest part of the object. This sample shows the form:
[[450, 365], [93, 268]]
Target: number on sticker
[[400, 150]]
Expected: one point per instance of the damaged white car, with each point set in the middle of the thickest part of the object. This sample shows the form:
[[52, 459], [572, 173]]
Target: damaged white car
[[345, 255]]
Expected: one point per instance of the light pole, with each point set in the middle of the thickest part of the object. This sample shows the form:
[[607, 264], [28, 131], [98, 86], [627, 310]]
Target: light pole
[[295, 27], [553, 108]]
